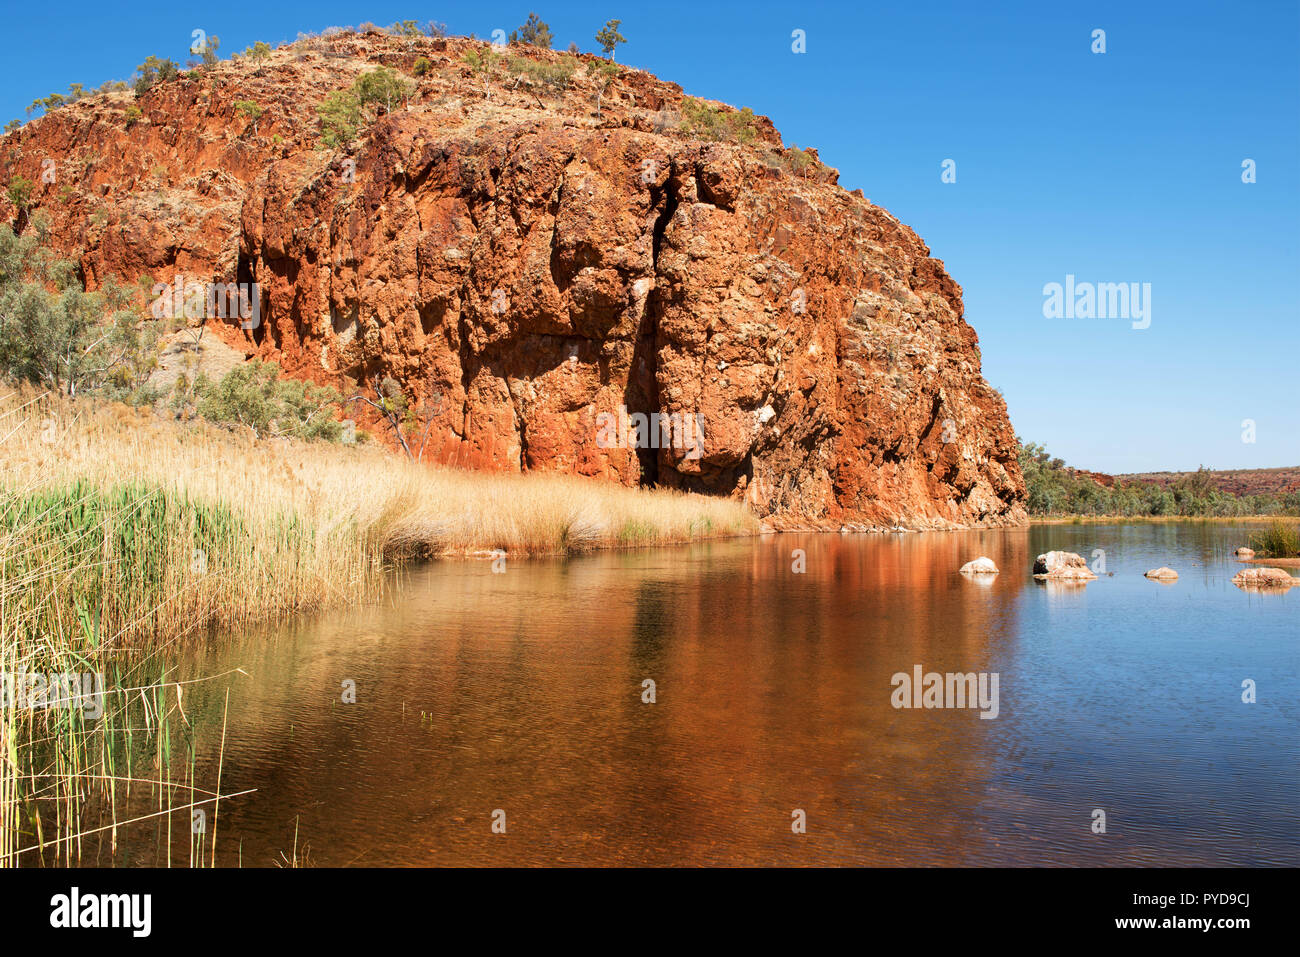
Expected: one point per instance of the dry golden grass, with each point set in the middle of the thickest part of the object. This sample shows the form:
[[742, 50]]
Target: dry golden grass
[[121, 533], [241, 530]]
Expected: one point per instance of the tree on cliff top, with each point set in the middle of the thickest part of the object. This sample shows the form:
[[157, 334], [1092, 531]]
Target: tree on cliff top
[[154, 70], [609, 37], [51, 102], [534, 33], [207, 52]]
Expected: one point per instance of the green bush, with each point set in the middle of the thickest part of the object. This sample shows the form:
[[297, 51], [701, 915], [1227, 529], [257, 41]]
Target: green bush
[[483, 61], [342, 111], [717, 123], [55, 333], [340, 118], [254, 395], [382, 86], [603, 74], [19, 192], [552, 76], [153, 71], [1278, 540], [796, 160], [250, 111]]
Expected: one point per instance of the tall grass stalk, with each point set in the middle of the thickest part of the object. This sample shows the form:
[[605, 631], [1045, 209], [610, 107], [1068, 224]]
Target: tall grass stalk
[[1277, 540], [122, 534]]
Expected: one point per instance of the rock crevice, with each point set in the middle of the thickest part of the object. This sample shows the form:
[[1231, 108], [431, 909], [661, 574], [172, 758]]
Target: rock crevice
[[526, 268]]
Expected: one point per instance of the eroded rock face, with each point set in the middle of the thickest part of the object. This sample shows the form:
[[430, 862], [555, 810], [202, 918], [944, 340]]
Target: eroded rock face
[[538, 278]]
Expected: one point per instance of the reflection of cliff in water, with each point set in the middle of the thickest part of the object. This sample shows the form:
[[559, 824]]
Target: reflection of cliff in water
[[523, 691]]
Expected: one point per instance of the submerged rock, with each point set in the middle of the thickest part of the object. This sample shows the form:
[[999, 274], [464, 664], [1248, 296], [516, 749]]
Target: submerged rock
[[1264, 578], [1162, 573], [980, 566], [1062, 566]]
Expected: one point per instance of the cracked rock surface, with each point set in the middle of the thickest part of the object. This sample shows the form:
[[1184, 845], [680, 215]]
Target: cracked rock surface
[[524, 266]]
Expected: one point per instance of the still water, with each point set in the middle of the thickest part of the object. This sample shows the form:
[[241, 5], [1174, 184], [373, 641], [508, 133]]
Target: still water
[[523, 692]]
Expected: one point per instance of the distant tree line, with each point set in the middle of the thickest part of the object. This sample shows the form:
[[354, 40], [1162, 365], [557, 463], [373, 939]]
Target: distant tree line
[[1057, 490]]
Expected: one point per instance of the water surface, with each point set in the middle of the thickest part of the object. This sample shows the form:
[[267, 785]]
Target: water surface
[[522, 691]]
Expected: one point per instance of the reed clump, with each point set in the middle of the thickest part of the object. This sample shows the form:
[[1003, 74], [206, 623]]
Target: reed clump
[[122, 533], [225, 527], [1277, 540], [93, 739]]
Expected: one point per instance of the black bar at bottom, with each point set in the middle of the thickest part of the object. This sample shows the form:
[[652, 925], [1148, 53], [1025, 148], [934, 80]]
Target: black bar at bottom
[[647, 908]]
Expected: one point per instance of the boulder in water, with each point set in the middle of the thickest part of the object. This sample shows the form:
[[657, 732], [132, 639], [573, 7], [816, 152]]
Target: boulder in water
[[1062, 566], [1264, 578]]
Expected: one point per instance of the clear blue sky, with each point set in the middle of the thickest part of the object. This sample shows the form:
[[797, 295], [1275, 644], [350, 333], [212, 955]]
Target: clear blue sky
[[1115, 167]]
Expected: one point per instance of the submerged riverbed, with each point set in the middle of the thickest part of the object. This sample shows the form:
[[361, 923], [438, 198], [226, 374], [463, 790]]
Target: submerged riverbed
[[522, 691]]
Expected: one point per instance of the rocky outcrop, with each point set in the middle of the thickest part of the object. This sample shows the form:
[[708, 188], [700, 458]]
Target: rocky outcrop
[[554, 286], [1162, 573], [1062, 566], [1245, 553]]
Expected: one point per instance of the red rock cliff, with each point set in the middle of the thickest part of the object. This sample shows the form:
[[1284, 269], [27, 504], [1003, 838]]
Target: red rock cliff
[[529, 268]]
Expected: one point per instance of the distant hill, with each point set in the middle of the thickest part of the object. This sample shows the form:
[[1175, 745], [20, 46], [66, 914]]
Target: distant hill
[[1055, 488], [1275, 481]]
